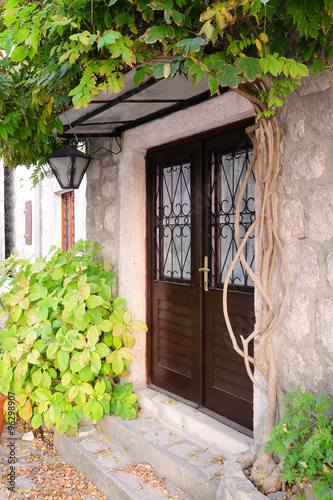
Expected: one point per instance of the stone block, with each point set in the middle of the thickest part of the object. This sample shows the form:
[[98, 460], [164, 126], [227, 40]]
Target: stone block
[[291, 220], [295, 121], [302, 366], [295, 321], [324, 323], [322, 120], [109, 220], [329, 262], [108, 189], [235, 486], [306, 163], [321, 213], [318, 83], [303, 265]]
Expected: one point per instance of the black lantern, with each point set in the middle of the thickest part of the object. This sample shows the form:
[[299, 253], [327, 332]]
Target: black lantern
[[69, 166]]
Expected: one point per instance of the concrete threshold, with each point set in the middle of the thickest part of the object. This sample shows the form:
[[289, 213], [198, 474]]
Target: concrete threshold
[[196, 425]]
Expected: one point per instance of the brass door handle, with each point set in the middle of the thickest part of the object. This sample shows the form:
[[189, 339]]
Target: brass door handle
[[205, 270]]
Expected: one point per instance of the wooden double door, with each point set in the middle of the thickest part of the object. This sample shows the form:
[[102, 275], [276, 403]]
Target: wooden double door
[[192, 192]]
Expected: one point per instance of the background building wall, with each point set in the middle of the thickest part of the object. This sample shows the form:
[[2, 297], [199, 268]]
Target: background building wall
[[46, 213]]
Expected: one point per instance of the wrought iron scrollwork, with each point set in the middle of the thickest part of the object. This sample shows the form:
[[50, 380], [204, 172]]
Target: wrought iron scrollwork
[[227, 168], [172, 221]]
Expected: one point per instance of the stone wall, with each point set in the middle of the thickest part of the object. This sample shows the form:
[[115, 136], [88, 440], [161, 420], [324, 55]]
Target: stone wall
[[305, 215]]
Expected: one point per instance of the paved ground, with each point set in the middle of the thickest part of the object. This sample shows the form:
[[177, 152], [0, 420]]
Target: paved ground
[[38, 472]]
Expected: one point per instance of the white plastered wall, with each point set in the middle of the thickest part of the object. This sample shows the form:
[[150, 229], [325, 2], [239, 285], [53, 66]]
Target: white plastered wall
[[46, 213]]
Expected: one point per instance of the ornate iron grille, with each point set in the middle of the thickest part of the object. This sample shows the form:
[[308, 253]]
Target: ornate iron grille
[[226, 170], [172, 221]]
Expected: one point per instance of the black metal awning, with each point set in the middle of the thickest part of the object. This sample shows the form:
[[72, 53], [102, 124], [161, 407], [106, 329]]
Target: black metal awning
[[108, 115]]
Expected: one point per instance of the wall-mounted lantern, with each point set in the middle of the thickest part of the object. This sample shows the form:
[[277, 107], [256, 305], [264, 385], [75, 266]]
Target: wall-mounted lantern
[[69, 166]]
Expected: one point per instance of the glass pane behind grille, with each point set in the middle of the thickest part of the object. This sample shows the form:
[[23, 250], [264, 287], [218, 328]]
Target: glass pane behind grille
[[172, 221], [227, 169]]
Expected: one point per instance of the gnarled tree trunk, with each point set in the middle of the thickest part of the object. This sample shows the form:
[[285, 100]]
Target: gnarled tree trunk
[[265, 135]]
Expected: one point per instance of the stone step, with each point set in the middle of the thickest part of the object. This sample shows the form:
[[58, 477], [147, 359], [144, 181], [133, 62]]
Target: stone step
[[191, 466], [182, 444], [107, 463]]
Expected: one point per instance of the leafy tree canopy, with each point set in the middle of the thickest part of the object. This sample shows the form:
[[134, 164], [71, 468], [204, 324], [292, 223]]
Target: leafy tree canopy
[[59, 53]]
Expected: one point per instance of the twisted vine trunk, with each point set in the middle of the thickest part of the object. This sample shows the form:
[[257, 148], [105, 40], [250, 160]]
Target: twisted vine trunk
[[265, 135]]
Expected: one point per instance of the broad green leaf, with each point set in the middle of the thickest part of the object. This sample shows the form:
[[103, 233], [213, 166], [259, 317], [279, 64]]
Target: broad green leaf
[[62, 425], [55, 413], [102, 350], [96, 363], [19, 53], [95, 316], [46, 381], [86, 388], [43, 394], [87, 408], [118, 365], [63, 359], [100, 387], [58, 273], [128, 339], [93, 335], [73, 392], [139, 326], [228, 75], [250, 66], [79, 311], [6, 378], [85, 373], [118, 329], [24, 303], [97, 410], [126, 353], [94, 301], [33, 357], [37, 377], [128, 411], [36, 420], [66, 378], [52, 349]]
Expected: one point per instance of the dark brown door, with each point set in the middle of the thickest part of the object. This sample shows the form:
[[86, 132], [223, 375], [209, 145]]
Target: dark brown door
[[192, 191]]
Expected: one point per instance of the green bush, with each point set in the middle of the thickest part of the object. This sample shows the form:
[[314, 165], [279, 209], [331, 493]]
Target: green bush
[[303, 438], [65, 339]]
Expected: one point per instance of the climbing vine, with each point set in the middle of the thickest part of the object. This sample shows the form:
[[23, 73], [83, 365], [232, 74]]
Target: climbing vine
[[58, 54]]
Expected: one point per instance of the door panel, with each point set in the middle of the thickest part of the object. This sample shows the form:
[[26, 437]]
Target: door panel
[[176, 352], [228, 390], [193, 191]]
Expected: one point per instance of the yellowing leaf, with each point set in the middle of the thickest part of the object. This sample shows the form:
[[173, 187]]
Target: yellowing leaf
[[258, 45], [263, 37], [171, 401], [166, 492], [326, 468], [304, 464]]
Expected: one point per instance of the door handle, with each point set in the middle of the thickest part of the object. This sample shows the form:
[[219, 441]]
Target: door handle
[[205, 270]]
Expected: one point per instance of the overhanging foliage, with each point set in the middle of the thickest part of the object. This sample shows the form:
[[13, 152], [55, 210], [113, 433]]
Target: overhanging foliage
[[57, 54]]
